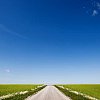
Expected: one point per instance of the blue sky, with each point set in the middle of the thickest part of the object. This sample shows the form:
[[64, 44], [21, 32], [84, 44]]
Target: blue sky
[[49, 41]]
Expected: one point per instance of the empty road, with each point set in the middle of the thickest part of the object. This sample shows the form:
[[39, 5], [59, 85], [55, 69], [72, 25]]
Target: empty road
[[49, 93]]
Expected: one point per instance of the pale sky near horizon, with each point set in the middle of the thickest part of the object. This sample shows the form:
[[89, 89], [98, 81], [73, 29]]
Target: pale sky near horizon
[[49, 41]]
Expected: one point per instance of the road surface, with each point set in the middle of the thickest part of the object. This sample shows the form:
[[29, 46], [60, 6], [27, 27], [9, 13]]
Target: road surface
[[49, 93]]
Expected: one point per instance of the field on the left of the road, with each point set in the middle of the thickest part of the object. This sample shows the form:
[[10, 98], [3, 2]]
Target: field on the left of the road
[[13, 88]]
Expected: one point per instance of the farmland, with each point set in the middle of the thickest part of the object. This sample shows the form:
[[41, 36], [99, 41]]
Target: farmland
[[92, 90], [18, 92], [8, 89]]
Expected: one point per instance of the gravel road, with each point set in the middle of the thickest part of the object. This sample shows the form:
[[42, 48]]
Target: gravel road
[[49, 93]]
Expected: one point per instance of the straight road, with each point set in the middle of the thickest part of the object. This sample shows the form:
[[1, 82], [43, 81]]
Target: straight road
[[49, 93]]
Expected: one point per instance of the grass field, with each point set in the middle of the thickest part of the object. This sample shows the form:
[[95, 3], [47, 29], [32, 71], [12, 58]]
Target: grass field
[[8, 89], [89, 89]]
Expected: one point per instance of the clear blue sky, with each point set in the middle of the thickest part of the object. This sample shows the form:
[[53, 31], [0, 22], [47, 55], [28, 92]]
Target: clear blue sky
[[49, 41]]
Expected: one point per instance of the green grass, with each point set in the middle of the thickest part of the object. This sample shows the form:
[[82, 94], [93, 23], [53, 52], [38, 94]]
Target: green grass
[[73, 96], [89, 89], [11, 88], [24, 96]]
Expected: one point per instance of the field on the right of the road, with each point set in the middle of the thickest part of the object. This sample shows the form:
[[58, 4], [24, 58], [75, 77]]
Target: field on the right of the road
[[89, 89]]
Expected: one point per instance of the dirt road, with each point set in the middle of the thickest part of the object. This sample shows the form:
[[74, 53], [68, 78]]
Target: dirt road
[[49, 93]]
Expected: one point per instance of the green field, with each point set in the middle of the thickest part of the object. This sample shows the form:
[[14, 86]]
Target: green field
[[89, 89], [8, 89]]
